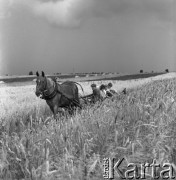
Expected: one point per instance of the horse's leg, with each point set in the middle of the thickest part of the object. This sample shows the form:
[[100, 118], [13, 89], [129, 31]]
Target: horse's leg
[[69, 110], [72, 110], [55, 111]]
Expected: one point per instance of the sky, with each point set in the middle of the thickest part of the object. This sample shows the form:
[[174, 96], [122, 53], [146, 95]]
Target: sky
[[87, 36]]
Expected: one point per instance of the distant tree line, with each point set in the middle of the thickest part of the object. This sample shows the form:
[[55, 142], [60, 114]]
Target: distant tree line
[[30, 73], [98, 73], [166, 70]]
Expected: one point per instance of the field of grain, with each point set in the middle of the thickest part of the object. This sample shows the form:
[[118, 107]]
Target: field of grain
[[139, 126]]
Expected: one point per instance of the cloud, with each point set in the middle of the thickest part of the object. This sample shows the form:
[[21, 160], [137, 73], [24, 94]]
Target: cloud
[[4, 8], [71, 13], [64, 13]]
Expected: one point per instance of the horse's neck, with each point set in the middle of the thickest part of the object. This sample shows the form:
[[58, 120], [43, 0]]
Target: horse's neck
[[50, 85]]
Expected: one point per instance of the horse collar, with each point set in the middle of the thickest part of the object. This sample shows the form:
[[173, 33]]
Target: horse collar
[[52, 94]]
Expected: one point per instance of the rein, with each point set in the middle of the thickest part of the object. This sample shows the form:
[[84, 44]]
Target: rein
[[54, 92], [72, 100]]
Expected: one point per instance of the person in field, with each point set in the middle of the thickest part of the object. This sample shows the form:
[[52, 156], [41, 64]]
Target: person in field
[[103, 91], [96, 94], [108, 92], [109, 87]]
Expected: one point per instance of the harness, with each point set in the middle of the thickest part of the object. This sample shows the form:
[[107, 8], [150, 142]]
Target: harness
[[54, 92], [74, 101], [51, 95]]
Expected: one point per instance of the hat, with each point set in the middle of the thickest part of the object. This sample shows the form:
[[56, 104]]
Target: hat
[[102, 87], [110, 84]]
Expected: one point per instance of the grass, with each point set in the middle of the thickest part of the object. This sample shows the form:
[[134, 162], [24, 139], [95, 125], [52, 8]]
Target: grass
[[139, 126]]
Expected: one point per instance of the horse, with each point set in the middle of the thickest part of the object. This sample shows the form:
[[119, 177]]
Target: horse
[[57, 96]]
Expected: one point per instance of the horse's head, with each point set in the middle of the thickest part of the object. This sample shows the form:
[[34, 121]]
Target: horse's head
[[41, 84]]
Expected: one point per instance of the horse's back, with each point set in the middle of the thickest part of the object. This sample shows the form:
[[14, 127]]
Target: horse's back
[[69, 89]]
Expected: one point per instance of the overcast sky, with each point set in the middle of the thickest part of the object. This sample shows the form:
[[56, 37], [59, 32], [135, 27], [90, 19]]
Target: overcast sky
[[89, 35]]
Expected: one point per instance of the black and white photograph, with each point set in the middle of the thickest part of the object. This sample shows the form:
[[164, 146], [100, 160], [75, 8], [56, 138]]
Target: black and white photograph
[[87, 89]]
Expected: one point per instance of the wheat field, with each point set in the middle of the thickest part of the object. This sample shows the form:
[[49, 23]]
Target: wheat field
[[139, 126]]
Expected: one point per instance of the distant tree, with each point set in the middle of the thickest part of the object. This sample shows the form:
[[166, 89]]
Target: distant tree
[[166, 70], [30, 73], [152, 71], [141, 71]]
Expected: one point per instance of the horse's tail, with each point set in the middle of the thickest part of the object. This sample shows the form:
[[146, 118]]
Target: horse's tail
[[80, 86]]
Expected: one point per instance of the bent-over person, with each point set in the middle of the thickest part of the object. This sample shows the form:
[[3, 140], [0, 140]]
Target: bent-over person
[[103, 91], [108, 92], [96, 94], [109, 88]]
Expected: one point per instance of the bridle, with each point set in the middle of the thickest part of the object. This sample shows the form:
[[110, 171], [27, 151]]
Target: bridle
[[51, 94], [54, 92]]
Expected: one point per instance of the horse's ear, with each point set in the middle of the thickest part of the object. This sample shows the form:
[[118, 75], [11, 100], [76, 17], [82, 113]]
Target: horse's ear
[[37, 73], [43, 74]]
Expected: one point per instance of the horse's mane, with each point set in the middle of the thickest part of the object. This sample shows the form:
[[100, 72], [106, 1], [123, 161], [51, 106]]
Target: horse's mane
[[51, 80], [54, 79]]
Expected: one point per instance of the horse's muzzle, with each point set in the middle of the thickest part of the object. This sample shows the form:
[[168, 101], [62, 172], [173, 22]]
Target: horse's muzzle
[[37, 94]]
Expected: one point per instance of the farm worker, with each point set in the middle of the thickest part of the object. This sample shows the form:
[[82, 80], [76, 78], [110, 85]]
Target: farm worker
[[110, 90], [103, 91], [108, 93], [96, 95]]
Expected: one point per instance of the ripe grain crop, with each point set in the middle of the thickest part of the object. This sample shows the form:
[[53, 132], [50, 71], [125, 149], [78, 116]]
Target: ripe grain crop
[[139, 126]]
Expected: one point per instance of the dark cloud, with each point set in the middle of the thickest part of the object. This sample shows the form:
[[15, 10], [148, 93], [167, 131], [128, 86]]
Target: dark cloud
[[108, 35], [73, 12], [70, 13]]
